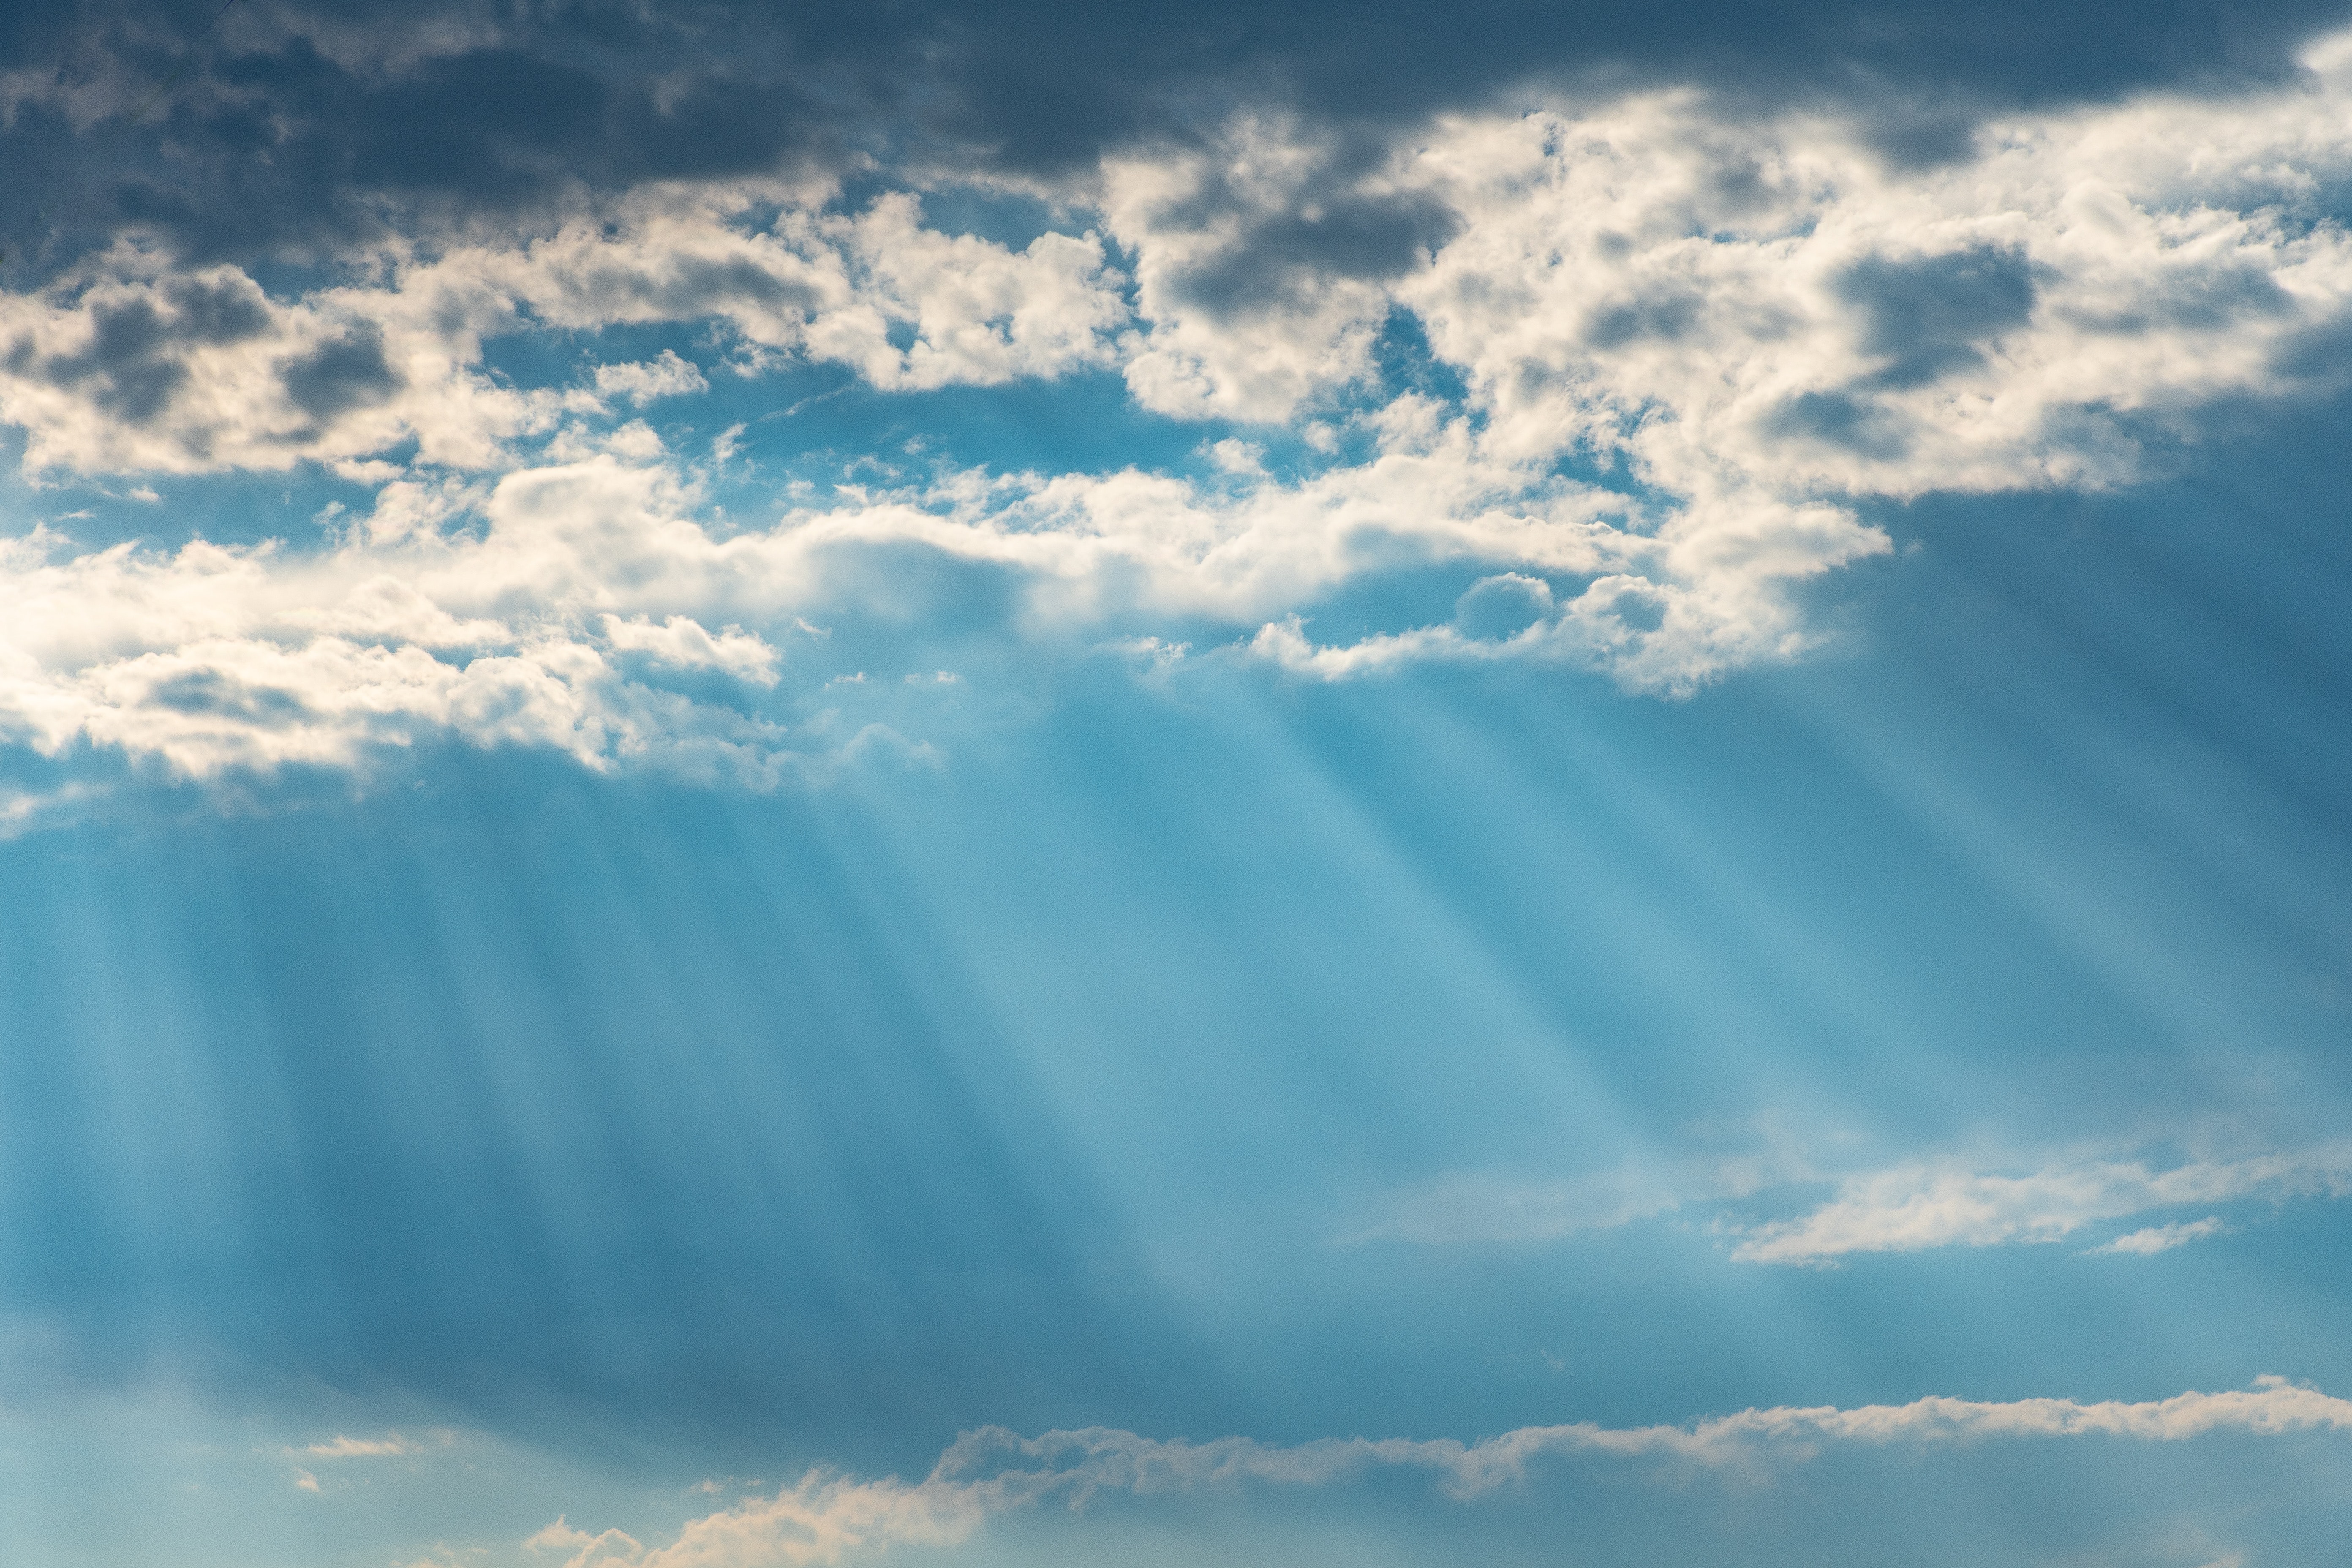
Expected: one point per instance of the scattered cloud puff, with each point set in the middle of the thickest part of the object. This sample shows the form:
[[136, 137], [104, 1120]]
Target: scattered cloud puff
[[1737, 333], [666, 376], [391, 1445], [1913, 1207], [826, 1517]]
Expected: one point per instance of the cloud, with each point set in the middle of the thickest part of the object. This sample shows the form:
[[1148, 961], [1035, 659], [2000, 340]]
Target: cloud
[[666, 376], [1771, 308], [1481, 1208], [1467, 1208], [122, 365], [1658, 363], [1264, 264], [392, 1445], [303, 126], [2158, 1238], [827, 1516], [1767, 324], [215, 659], [682, 643], [1913, 1207]]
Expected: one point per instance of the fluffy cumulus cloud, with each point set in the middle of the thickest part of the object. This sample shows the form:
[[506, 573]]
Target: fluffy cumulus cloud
[[1632, 369], [827, 1517], [125, 363], [211, 658]]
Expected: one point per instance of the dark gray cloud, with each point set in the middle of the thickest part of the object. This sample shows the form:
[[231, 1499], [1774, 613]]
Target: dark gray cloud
[[128, 358], [297, 123], [1668, 315], [210, 692], [1838, 419], [1348, 237], [1924, 318], [133, 362], [344, 373], [1929, 316], [1049, 80]]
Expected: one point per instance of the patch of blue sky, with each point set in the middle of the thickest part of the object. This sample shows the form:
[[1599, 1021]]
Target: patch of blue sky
[[1011, 218], [166, 510]]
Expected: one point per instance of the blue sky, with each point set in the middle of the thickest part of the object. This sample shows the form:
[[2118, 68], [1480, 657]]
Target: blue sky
[[996, 788]]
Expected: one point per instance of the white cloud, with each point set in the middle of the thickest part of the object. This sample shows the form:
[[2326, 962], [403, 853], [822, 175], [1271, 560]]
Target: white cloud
[[1912, 1207], [213, 658], [611, 1546], [498, 611], [681, 642], [827, 1516], [2149, 1241], [642, 381]]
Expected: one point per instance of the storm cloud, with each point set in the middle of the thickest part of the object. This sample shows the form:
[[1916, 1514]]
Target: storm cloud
[[290, 129]]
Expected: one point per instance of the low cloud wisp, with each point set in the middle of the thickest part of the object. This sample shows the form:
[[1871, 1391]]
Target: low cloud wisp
[[827, 1516]]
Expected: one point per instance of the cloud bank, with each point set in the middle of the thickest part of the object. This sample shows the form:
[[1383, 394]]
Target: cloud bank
[[1635, 372], [826, 1517]]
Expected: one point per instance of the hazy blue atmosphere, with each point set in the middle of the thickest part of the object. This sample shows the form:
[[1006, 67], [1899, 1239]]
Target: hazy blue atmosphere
[[1012, 785]]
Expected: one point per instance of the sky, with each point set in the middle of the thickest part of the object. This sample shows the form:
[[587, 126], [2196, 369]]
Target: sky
[[985, 784]]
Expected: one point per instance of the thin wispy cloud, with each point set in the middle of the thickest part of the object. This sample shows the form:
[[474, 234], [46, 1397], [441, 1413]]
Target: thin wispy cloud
[[1910, 1209], [392, 1445], [1466, 1208], [2155, 1239]]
